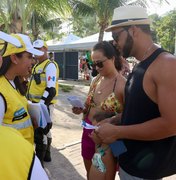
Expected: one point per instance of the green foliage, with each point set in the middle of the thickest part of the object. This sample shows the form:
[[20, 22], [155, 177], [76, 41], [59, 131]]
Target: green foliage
[[165, 28], [84, 26], [66, 88], [102, 9], [17, 14]]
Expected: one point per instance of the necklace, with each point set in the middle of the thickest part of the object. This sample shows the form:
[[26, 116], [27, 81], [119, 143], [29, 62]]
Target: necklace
[[99, 92], [148, 50]]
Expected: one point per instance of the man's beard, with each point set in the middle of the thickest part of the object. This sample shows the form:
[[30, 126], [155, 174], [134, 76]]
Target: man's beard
[[128, 46]]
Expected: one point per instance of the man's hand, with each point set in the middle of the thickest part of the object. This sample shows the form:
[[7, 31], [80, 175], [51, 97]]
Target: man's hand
[[95, 138], [107, 133]]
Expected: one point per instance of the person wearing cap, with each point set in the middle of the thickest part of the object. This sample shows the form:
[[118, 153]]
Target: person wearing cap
[[148, 125], [13, 103], [18, 159], [43, 88], [51, 56]]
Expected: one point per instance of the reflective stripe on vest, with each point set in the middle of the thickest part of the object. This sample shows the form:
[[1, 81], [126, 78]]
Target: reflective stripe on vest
[[20, 125], [30, 96]]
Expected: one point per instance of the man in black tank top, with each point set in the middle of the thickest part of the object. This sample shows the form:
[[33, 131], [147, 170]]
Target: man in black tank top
[[148, 123]]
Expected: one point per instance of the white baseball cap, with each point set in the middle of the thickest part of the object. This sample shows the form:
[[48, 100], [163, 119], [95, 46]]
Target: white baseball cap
[[39, 44], [26, 45], [10, 39]]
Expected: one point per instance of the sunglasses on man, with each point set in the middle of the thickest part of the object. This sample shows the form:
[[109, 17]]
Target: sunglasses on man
[[99, 63], [116, 35]]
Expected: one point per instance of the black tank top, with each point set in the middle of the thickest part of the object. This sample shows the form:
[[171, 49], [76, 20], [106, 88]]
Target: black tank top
[[145, 159]]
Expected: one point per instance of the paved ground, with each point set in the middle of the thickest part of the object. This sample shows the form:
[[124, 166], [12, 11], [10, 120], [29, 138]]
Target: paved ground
[[66, 162]]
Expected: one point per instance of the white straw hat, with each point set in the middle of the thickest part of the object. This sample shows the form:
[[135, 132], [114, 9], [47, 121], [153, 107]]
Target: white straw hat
[[128, 15]]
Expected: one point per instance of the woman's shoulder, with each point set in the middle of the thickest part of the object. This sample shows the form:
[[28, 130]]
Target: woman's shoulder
[[121, 81], [95, 79]]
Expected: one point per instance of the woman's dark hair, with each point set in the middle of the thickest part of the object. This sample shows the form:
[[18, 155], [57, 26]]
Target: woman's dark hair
[[6, 63], [109, 51]]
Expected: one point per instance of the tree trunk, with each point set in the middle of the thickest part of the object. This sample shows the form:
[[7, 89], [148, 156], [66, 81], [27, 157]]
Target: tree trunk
[[35, 29], [101, 32], [16, 26]]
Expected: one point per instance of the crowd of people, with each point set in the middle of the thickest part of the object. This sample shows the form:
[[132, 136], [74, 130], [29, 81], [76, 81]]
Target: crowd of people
[[132, 114]]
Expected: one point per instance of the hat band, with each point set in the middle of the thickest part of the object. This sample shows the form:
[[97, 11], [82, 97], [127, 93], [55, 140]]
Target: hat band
[[126, 20]]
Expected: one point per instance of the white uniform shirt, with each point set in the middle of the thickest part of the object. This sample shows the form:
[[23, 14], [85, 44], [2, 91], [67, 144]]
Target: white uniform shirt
[[51, 73]]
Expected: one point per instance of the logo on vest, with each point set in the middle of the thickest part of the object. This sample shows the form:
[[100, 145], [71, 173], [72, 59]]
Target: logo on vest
[[19, 114], [51, 78]]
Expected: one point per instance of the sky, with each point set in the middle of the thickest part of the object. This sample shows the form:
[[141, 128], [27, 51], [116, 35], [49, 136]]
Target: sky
[[161, 9]]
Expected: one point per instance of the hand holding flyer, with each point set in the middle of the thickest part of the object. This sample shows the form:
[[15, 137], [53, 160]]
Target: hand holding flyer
[[75, 101]]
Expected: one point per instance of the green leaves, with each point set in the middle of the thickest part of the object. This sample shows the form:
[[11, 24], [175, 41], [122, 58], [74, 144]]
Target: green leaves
[[165, 28]]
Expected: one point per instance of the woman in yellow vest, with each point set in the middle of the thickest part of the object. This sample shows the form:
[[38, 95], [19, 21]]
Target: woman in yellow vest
[[17, 156], [17, 61]]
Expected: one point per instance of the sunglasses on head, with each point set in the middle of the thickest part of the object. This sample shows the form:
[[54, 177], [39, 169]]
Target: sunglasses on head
[[3, 46], [99, 63]]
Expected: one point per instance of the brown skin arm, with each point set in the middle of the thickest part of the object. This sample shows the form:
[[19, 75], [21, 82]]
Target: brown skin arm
[[34, 122], [165, 96]]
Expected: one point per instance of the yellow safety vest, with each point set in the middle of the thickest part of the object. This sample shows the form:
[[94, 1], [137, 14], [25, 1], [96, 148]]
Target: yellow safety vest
[[16, 155], [16, 113], [35, 91]]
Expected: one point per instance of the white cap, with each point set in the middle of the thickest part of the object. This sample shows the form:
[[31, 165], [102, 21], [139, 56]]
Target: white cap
[[26, 45], [39, 43], [10, 39]]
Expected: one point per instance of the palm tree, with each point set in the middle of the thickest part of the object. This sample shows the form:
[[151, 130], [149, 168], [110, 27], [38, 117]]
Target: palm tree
[[103, 10], [40, 22], [16, 14]]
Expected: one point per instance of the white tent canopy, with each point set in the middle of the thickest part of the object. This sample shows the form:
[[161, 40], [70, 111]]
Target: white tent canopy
[[82, 44], [66, 40]]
